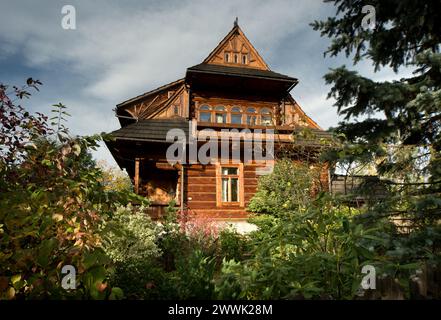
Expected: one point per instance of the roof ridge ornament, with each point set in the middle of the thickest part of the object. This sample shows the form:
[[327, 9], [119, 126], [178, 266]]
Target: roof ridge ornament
[[236, 22]]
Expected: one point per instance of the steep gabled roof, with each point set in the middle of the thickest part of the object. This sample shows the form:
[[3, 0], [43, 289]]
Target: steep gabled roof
[[299, 108], [231, 42], [168, 102], [149, 93]]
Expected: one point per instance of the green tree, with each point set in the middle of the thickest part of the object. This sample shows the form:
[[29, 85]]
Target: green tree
[[52, 205], [394, 124], [113, 178]]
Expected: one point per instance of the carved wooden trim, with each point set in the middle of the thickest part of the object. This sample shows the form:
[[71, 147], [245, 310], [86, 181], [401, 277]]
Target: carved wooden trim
[[241, 189]]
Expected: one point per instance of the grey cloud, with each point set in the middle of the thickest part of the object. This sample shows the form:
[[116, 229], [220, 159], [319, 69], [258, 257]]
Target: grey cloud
[[123, 48]]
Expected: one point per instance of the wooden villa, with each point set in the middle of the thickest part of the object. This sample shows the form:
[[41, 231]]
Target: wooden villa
[[233, 88]]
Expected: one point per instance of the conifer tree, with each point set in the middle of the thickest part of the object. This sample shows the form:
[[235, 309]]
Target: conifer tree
[[396, 123]]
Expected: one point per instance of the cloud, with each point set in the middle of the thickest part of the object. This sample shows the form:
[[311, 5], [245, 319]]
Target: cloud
[[122, 49]]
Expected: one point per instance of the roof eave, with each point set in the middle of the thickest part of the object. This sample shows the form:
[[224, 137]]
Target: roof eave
[[146, 94], [288, 79]]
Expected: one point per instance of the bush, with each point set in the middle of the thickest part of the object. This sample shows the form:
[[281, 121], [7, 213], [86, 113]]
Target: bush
[[193, 278], [313, 254], [130, 240], [130, 236], [289, 187], [232, 245], [52, 205], [265, 224]]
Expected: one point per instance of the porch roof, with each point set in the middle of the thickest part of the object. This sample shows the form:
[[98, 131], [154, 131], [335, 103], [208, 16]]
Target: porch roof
[[154, 130]]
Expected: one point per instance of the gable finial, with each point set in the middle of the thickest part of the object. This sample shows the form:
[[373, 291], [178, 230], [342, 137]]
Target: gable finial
[[236, 22]]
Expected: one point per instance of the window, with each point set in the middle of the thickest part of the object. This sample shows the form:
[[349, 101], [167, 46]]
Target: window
[[176, 109], [236, 60], [230, 184], [251, 116], [220, 114], [244, 59], [236, 115], [205, 114], [227, 57], [265, 117]]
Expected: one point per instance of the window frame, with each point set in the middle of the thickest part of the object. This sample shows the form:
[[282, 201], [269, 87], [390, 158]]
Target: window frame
[[209, 111], [249, 114], [219, 185], [236, 113], [224, 112], [227, 57], [245, 59], [257, 115], [229, 178], [264, 115]]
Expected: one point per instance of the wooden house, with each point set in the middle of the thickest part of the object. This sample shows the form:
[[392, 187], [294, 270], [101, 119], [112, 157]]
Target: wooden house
[[233, 88]]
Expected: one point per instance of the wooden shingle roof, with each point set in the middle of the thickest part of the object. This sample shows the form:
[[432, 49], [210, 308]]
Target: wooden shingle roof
[[154, 130], [238, 71], [149, 93]]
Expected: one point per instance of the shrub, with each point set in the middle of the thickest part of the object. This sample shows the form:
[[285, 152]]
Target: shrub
[[317, 253], [52, 205], [265, 224], [130, 240], [289, 187], [202, 234], [194, 276], [232, 245], [130, 236], [184, 233]]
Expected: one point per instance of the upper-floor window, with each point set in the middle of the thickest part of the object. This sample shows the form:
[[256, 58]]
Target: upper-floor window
[[236, 57], [265, 117], [251, 116], [220, 114], [230, 184], [205, 114], [236, 115]]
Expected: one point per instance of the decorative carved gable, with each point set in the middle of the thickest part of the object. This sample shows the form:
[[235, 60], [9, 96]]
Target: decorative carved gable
[[295, 116], [236, 50], [174, 107]]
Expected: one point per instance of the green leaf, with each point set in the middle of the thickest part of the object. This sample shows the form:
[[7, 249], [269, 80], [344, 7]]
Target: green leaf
[[46, 162], [117, 294], [45, 251], [410, 266], [95, 258], [15, 278], [93, 279], [10, 293]]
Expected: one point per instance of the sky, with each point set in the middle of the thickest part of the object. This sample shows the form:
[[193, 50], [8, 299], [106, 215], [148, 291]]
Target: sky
[[121, 49]]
